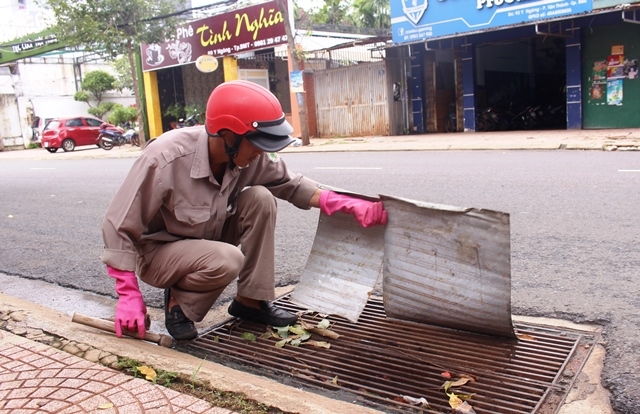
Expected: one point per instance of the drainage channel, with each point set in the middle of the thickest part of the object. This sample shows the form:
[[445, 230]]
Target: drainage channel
[[379, 362]]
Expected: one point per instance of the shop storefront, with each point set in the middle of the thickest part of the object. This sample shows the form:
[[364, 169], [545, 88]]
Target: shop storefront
[[240, 44], [498, 65]]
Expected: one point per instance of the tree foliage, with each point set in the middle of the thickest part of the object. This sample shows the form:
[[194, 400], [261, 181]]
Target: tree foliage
[[333, 12], [372, 13], [82, 96], [122, 70], [95, 84], [122, 114], [100, 110], [115, 27], [98, 82], [357, 13]]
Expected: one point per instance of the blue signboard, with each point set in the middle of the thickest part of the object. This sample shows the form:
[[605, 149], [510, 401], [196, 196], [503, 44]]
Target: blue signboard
[[413, 20]]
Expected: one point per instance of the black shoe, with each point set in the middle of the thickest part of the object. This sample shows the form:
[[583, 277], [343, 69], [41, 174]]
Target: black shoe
[[268, 314], [178, 325]]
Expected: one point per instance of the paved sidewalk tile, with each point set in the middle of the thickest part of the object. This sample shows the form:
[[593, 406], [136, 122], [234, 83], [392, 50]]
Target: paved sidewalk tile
[[36, 378]]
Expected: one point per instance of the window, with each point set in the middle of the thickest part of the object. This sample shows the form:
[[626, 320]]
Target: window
[[52, 125], [93, 122], [73, 122]]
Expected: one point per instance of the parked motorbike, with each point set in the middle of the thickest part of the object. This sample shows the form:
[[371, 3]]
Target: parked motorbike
[[110, 138], [452, 122], [183, 123]]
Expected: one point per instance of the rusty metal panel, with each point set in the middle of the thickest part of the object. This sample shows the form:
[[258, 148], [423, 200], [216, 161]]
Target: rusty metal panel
[[352, 101], [344, 265], [448, 266]]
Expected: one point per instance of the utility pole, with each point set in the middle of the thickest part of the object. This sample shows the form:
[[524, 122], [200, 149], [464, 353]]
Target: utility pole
[[295, 64]]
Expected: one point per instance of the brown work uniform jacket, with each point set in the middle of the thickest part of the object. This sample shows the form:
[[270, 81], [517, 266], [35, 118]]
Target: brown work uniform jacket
[[170, 194]]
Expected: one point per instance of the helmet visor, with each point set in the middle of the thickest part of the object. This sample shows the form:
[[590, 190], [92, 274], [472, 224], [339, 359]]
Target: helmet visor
[[277, 127], [269, 142]]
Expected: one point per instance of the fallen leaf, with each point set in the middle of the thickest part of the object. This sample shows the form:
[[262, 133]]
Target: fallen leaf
[[216, 338], [334, 381], [283, 331], [318, 344], [446, 374], [296, 342], [459, 382], [105, 406], [526, 337], [465, 396], [320, 331], [267, 335], [298, 330], [470, 377], [248, 336], [325, 332], [282, 343], [149, 373], [415, 401], [465, 408], [454, 401], [323, 324]]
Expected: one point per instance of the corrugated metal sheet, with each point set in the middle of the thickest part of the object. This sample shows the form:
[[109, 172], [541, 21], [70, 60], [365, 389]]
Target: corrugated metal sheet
[[443, 265], [344, 265], [352, 101], [448, 266]]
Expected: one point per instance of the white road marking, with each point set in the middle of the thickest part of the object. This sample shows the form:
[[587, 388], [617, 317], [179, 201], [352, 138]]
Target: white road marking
[[628, 170], [347, 168]]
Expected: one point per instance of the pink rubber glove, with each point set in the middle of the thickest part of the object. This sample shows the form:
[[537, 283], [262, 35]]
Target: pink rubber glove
[[368, 213], [131, 310]]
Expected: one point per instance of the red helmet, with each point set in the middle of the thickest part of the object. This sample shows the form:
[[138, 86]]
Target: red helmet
[[248, 109]]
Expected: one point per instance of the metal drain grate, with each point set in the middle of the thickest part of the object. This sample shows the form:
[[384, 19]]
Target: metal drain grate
[[379, 360]]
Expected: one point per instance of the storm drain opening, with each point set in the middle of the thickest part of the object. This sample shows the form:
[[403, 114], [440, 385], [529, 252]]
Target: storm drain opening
[[399, 366]]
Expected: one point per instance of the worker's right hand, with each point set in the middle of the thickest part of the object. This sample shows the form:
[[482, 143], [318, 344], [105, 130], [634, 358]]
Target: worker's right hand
[[131, 310], [367, 213]]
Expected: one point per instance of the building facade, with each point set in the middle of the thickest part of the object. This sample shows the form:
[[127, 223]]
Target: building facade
[[518, 64]]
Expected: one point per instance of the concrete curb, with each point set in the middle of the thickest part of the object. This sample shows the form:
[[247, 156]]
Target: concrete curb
[[34, 320], [602, 140]]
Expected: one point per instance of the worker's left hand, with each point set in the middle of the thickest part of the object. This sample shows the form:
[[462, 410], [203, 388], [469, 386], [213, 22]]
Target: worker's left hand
[[130, 311], [368, 213]]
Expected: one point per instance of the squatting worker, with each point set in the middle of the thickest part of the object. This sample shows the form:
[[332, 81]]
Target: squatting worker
[[197, 194]]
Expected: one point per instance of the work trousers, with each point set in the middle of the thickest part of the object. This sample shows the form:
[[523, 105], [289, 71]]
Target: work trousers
[[197, 271]]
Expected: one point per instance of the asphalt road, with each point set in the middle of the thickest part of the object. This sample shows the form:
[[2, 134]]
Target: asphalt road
[[575, 240]]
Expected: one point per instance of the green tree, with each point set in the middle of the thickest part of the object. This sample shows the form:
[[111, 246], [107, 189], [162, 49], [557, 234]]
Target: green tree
[[334, 12], [96, 83], [301, 16], [82, 96], [122, 69], [355, 16], [372, 13], [121, 114], [100, 110], [115, 27]]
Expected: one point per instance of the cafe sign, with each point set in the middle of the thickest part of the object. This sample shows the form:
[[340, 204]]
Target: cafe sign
[[243, 30]]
